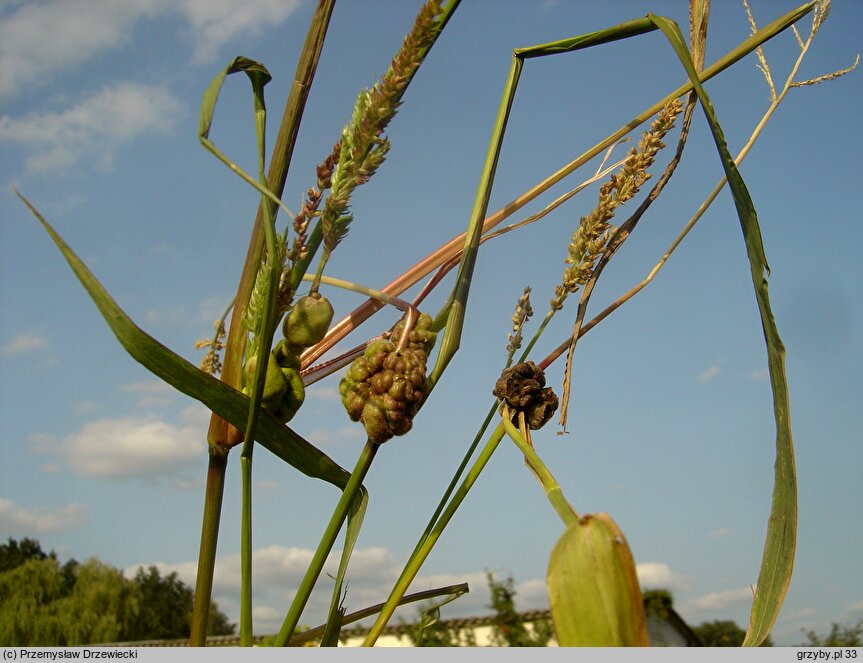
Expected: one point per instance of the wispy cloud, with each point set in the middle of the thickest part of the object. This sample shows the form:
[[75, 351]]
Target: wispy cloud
[[328, 436], [39, 41], [153, 393], [278, 570], [23, 343], [760, 374], [78, 31], [723, 600], [93, 129], [18, 520], [656, 575], [133, 447], [709, 374], [720, 533], [216, 22], [84, 407]]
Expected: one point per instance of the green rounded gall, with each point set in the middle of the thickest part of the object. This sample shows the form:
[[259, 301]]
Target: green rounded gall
[[421, 337], [293, 397], [275, 384], [307, 322], [378, 348], [286, 356], [376, 424]]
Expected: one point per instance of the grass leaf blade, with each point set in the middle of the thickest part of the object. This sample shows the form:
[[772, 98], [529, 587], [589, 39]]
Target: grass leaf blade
[[187, 378], [777, 560]]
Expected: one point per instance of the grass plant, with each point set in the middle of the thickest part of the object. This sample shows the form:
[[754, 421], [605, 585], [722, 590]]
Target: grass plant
[[261, 378]]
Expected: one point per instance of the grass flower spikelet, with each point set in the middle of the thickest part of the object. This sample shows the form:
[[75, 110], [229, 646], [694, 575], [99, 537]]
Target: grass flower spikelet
[[363, 146], [594, 230]]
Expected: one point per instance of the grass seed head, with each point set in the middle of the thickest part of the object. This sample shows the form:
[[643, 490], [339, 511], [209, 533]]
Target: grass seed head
[[594, 230]]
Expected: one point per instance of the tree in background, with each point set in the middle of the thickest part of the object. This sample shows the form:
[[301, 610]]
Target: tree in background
[[43, 602], [508, 629], [430, 631], [38, 607], [658, 602], [839, 636], [166, 609], [14, 553], [723, 633]]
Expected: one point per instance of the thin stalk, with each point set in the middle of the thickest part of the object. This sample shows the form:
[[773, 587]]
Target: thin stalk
[[448, 265], [435, 259], [422, 551], [325, 545], [620, 301], [549, 484], [221, 432], [264, 340], [215, 488], [221, 435], [453, 591], [246, 550], [455, 319], [392, 300], [447, 251]]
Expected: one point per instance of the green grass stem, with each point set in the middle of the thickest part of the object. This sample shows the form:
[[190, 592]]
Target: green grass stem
[[552, 488], [421, 553], [325, 545], [215, 488]]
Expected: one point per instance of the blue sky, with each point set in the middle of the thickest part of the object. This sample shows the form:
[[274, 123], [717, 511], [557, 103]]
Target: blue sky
[[671, 428]]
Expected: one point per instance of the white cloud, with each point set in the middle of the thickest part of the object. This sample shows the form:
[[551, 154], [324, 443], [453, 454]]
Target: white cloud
[[760, 374], [93, 129], [153, 393], [277, 571], [15, 519], [327, 436], [23, 343], [531, 595], [723, 600], [167, 315], [84, 407], [216, 22], [709, 374], [720, 533], [654, 575], [128, 447], [40, 40], [147, 387], [78, 30]]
